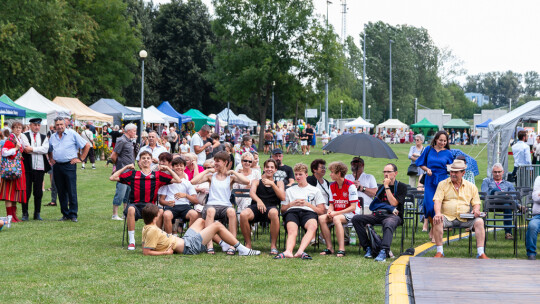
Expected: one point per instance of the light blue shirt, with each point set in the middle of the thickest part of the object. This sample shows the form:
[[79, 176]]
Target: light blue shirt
[[522, 154], [65, 149]]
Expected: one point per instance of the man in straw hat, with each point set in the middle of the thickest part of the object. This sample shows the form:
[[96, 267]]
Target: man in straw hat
[[454, 197]]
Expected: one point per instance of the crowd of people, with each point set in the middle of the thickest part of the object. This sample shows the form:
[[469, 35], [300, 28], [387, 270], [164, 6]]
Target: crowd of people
[[187, 182]]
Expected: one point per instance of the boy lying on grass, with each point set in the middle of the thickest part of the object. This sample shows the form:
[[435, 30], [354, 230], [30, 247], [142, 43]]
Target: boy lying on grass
[[157, 242]]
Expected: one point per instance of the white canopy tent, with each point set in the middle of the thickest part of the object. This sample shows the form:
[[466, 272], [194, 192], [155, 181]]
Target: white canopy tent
[[359, 123], [392, 124], [222, 123], [149, 116], [165, 117], [37, 102], [250, 122], [500, 132], [232, 118]]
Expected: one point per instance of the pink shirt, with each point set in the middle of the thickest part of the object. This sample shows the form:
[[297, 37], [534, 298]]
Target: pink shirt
[[190, 173]]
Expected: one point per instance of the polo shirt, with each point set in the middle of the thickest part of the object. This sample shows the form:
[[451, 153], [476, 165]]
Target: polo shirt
[[124, 150], [144, 188], [65, 149], [455, 203]]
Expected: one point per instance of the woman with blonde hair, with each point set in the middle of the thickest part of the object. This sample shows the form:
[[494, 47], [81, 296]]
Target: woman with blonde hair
[[192, 169], [247, 171]]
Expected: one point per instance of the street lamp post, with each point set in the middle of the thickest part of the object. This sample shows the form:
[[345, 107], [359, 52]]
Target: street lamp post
[[369, 112], [397, 115], [143, 55], [391, 41], [364, 77], [341, 106], [273, 85], [326, 81]]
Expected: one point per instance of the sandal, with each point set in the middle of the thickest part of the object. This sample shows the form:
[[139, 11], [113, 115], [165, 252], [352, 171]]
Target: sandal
[[305, 256], [52, 204], [274, 251], [340, 253], [210, 251], [231, 251], [327, 252], [280, 256]]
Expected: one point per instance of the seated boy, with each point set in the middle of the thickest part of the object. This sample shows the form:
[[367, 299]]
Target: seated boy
[[219, 207], [266, 195], [156, 242], [176, 198], [303, 203], [144, 186]]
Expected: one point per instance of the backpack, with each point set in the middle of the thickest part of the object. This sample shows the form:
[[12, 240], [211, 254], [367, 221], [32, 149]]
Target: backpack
[[376, 241]]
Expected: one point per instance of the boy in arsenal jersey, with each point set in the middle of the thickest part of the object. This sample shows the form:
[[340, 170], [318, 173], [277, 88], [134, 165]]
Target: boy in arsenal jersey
[[342, 202]]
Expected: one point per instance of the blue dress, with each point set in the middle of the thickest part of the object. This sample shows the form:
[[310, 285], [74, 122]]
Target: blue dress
[[436, 161]]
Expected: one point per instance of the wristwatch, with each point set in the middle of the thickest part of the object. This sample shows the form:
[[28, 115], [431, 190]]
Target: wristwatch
[[363, 189]]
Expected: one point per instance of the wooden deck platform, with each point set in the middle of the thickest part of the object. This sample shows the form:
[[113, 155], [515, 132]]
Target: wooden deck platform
[[450, 280]]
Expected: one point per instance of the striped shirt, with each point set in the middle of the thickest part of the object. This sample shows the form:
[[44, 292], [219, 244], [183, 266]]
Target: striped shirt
[[144, 188]]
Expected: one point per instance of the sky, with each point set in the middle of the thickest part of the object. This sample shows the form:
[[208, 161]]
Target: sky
[[487, 36]]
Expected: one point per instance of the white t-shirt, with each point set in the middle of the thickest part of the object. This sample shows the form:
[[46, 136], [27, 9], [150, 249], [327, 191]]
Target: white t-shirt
[[325, 138], [333, 134], [184, 148], [309, 193], [197, 140], [170, 190], [87, 135], [279, 135], [368, 181]]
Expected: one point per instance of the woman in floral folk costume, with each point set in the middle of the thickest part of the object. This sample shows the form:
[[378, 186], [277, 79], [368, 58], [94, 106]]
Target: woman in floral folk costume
[[13, 191]]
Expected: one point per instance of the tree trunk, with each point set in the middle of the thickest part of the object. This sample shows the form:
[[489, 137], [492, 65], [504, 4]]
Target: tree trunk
[[263, 106]]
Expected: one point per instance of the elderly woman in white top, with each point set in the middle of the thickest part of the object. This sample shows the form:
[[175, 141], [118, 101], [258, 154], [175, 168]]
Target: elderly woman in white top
[[415, 152], [251, 174]]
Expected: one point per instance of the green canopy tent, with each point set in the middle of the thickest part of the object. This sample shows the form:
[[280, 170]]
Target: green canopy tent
[[29, 113], [199, 118], [456, 123], [425, 127]]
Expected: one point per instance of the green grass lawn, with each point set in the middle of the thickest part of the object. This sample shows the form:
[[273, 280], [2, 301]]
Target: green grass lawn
[[64, 262]]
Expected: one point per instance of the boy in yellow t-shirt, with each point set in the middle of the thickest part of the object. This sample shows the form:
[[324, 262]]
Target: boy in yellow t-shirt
[[157, 242]]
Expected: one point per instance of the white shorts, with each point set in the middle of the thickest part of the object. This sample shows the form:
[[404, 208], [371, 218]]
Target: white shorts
[[303, 142]]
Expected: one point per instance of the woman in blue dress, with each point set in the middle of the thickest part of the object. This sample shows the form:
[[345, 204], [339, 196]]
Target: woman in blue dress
[[433, 161]]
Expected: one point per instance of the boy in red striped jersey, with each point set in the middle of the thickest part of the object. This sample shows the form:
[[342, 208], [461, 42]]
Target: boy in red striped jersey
[[144, 186], [342, 206]]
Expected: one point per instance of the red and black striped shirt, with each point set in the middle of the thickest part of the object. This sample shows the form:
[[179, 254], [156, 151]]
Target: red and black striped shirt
[[144, 188]]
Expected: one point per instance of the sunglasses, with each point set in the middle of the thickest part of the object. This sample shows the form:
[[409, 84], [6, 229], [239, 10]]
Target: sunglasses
[[247, 161], [206, 168]]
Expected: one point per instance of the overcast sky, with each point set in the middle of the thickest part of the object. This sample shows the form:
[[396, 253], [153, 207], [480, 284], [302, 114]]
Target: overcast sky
[[488, 35]]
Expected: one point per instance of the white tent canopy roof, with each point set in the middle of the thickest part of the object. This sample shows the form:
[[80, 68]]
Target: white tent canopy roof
[[222, 123], [501, 131], [359, 123], [149, 116], [232, 118], [249, 121], [392, 124], [165, 117], [37, 102]]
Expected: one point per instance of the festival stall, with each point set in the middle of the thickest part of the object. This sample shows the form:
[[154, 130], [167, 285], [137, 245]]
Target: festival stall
[[28, 113], [199, 119], [37, 102], [149, 116], [167, 118], [425, 127], [250, 122], [231, 118], [359, 123], [118, 111], [165, 107], [456, 123], [80, 113], [10, 111]]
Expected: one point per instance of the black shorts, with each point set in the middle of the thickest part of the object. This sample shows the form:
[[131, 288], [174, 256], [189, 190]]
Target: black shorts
[[268, 142], [299, 216], [138, 209], [260, 217], [178, 211]]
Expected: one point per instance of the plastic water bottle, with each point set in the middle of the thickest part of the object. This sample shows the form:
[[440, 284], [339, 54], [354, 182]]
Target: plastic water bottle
[[352, 237]]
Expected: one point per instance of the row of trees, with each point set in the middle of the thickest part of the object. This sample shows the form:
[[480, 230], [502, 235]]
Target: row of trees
[[249, 48]]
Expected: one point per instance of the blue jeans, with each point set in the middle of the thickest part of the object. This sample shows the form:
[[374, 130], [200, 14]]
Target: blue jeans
[[122, 194], [532, 235], [65, 179]]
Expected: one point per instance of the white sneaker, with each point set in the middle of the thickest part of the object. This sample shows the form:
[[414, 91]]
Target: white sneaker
[[117, 218], [131, 246], [307, 153]]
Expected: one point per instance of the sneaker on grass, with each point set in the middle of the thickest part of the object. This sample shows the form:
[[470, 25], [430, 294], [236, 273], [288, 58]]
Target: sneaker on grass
[[117, 218], [131, 246], [382, 256], [368, 253]]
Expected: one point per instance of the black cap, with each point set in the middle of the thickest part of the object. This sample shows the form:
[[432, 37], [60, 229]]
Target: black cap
[[277, 151], [35, 121]]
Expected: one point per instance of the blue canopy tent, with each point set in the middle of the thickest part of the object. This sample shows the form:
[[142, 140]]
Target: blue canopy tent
[[485, 124], [118, 111], [8, 110], [165, 107]]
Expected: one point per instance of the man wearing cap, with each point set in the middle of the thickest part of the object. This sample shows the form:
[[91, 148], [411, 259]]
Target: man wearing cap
[[284, 173], [366, 185], [63, 148], [35, 165], [456, 196]]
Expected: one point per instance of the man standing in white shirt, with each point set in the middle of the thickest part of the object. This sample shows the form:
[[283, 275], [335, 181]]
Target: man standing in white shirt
[[154, 148], [366, 185], [198, 144], [36, 145], [521, 152]]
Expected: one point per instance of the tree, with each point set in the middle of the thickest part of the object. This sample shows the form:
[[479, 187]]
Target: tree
[[259, 42], [449, 66], [531, 80], [182, 34]]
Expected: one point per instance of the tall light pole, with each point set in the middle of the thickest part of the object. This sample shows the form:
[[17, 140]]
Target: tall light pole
[[273, 85], [369, 112], [341, 106], [143, 55], [391, 41], [326, 80], [364, 77], [397, 115]]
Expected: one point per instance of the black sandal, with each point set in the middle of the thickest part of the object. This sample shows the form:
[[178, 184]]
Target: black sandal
[[53, 204], [327, 252], [342, 252]]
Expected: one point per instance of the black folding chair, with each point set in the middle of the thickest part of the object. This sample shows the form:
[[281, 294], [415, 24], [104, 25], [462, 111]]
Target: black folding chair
[[494, 219]]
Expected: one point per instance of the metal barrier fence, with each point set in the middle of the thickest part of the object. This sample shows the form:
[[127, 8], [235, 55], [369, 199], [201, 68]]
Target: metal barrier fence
[[527, 174]]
